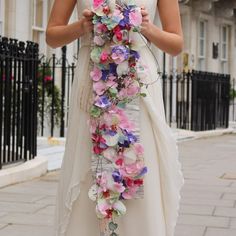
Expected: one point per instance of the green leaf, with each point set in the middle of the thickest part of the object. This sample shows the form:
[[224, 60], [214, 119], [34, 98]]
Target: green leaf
[[143, 94], [113, 92], [121, 104], [113, 226], [114, 234], [95, 111]]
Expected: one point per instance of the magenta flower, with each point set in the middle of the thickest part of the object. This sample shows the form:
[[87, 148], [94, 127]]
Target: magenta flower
[[48, 78], [97, 3], [104, 57]]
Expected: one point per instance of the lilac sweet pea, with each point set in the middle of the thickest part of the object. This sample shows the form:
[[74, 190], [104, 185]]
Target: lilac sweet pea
[[119, 53], [103, 102]]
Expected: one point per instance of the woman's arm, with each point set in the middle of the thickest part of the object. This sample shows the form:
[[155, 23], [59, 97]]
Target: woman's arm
[[59, 32], [170, 37]]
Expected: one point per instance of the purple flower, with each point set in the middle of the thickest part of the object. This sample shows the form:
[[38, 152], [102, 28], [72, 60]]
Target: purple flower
[[103, 102], [105, 73], [143, 171], [112, 68], [131, 137], [117, 176], [112, 132], [135, 54], [119, 53], [124, 143]]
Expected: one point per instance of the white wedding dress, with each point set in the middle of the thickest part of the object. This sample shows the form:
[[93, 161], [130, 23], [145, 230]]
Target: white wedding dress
[[156, 214]]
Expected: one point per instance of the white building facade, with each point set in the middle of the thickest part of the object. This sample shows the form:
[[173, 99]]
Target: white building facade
[[210, 35], [27, 20]]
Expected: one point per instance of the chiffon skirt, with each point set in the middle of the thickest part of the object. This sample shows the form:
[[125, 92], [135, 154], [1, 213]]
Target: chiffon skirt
[[154, 215]]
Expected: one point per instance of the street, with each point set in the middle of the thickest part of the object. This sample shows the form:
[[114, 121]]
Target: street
[[208, 203]]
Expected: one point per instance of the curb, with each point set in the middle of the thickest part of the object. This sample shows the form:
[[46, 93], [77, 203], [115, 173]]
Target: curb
[[51, 140], [212, 133], [192, 135], [23, 172]]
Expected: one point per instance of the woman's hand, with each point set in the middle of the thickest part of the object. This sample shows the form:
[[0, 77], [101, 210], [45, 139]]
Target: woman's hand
[[146, 23], [59, 32], [87, 25], [168, 37]]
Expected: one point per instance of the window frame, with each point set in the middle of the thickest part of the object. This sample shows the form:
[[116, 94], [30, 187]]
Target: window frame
[[2, 8], [40, 29], [226, 43], [202, 39], [224, 61]]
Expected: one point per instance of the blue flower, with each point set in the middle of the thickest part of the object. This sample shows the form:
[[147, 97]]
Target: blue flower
[[103, 102], [105, 73], [131, 137], [112, 68], [117, 176], [124, 143], [135, 54], [143, 172]]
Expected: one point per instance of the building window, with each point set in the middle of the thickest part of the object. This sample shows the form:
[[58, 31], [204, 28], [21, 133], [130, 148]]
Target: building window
[[224, 48], [1, 16], [202, 45], [40, 9]]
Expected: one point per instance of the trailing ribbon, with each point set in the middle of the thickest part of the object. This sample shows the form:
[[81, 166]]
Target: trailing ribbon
[[117, 75]]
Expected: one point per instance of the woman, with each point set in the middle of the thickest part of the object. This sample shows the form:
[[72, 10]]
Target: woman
[[156, 214]]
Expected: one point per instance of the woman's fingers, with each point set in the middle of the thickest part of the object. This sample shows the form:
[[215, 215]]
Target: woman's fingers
[[88, 13], [145, 19], [145, 14]]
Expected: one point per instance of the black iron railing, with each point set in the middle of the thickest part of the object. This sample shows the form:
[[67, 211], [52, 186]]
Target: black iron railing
[[18, 100], [201, 100], [193, 100], [232, 112], [55, 78]]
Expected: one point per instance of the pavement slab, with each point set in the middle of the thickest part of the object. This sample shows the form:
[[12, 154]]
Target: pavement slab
[[208, 198]]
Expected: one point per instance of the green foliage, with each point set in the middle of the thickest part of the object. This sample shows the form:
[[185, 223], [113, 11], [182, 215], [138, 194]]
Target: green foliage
[[45, 100], [232, 94]]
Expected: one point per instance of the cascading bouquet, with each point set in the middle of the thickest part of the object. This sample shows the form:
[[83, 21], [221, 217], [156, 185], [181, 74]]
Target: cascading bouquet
[[117, 73]]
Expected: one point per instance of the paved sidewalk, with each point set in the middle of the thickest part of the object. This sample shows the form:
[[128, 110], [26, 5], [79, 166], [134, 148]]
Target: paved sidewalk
[[53, 148], [208, 203]]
